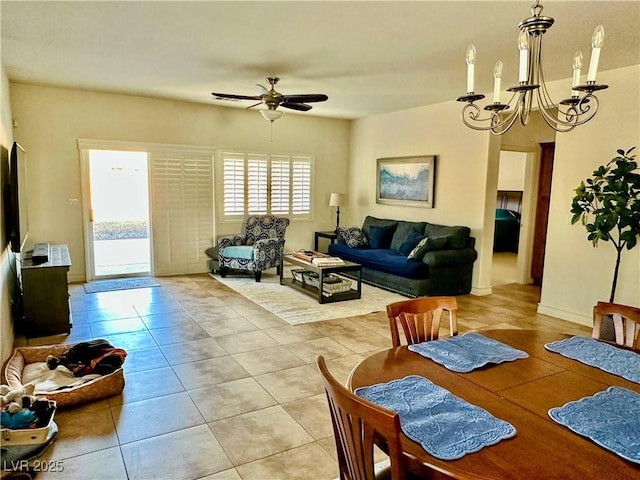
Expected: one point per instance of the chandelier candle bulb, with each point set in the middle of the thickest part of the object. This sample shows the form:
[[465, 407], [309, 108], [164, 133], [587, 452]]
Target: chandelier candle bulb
[[497, 75], [577, 65], [596, 43], [471, 60], [523, 46]]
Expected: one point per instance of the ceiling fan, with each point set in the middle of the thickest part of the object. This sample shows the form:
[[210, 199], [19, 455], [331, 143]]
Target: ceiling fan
[[273, 100]]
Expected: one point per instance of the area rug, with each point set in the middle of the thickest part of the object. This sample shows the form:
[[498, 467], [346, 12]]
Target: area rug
[[296, 308], [119, 284]]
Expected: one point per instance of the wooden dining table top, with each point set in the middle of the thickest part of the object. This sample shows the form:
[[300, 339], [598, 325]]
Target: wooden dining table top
[[520, 392]]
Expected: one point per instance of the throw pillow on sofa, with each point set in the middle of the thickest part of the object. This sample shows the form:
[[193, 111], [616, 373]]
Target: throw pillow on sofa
[[352, 236], [380, 236], [410, 242], [427, 244]]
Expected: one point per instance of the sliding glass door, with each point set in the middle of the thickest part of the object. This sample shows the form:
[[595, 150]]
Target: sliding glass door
[[120, 244]]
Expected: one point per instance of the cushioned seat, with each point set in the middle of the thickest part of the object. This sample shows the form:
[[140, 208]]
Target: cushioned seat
[[383, 259]]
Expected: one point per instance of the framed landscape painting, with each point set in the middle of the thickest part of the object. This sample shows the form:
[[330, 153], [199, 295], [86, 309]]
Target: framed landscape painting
[[407, 181]]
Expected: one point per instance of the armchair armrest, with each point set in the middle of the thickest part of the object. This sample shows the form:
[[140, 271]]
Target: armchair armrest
[[441, 258], [268, 253], [229, 241]]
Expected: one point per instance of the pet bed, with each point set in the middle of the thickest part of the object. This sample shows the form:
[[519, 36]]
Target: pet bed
[[94, 388]]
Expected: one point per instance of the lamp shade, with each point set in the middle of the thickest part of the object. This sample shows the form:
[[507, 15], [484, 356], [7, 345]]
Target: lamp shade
[[271, 115], [335, 200]]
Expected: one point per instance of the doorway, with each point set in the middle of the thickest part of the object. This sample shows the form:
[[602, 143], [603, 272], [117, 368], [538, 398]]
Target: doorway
[[508, 217], [118, 233]]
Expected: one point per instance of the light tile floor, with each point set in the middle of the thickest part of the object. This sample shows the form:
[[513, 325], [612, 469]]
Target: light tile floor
[[219, 388]]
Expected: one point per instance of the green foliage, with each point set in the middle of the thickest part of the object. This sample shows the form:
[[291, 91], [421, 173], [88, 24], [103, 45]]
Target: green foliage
[[608, 205]]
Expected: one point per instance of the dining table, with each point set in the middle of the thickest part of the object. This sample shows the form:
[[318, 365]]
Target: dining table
[[520, 392]]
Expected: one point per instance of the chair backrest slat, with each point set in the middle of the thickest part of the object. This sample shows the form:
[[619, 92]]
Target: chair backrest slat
[[420, 318], [626, 323]]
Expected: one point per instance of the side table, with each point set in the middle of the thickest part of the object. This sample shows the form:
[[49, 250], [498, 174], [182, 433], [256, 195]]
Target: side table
[[331, 235]]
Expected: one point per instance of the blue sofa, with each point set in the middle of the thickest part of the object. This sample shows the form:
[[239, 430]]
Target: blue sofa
[[442, 266]]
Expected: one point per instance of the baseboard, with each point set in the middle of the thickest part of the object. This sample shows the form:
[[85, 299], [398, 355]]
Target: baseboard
[[564, 315], [481, 291]]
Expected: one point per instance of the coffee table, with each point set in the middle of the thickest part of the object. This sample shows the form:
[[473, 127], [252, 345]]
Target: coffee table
[[352, 268]]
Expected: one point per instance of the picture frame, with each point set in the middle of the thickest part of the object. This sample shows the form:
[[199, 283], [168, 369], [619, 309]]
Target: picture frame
[[406, 181]]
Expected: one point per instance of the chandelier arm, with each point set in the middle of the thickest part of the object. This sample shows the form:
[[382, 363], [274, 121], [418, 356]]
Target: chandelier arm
[[495, 120], [547, 106], [506, 124], [524, 106]]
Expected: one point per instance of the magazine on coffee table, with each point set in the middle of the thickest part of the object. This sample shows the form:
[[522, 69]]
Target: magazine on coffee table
[[308, 255]]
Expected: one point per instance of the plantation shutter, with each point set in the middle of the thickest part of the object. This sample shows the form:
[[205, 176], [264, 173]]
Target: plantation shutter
[[301, 191], [280, 185], [257, 184], [182, 199], [260, 184], [233, 184]]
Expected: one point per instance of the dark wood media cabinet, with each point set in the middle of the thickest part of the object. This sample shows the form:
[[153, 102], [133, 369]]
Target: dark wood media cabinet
[[45, 295]]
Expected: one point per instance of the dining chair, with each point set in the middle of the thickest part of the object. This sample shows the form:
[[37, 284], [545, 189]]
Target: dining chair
[[356, 423], [626, 323], [420, 318]]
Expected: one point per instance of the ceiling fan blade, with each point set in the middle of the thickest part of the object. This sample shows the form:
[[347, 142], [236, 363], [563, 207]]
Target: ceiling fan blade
[[254, 105], [305, 98], [303, 107], [229, 96]]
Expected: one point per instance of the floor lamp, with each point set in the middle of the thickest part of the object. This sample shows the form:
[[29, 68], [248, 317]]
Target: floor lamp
[[335, 201]]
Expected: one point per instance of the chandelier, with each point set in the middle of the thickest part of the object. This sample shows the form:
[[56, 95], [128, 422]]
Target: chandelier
[[581, 107]]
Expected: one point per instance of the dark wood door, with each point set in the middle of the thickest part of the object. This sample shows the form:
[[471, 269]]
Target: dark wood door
[[542, 210]]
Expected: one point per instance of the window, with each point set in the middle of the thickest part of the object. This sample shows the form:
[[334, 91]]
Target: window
[[265, 184]]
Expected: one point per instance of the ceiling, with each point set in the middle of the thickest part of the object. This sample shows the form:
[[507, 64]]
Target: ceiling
[[368, 57]]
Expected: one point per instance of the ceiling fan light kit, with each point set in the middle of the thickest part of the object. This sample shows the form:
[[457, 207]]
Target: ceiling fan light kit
[[581, 107], [272, 99], [271, 115]]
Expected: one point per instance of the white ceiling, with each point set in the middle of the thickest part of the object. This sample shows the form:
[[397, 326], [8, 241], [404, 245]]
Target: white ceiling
[[368, 57]]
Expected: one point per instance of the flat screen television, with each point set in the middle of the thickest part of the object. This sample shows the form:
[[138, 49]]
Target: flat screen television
[[15, 200]]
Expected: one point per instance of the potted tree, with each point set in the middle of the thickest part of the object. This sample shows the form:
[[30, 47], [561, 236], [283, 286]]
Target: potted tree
[[608, 204]]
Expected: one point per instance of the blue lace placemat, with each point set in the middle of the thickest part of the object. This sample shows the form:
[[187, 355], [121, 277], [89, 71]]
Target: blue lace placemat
[[464, 353], [446, 426], [610, 418], [607, 357]]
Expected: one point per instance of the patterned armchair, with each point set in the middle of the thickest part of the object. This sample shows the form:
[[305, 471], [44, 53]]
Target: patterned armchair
[[259, 248]]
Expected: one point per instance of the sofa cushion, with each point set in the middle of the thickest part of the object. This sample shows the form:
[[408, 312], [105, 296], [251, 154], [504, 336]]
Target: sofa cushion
[[380, 236], [352, 236], [458, 237], [382, 259], [403, 230], [428, 244], [411, 240]]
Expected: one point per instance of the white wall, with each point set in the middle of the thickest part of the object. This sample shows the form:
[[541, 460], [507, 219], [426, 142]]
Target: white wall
[[512, 167], [576, 275], [6, 257], [52, 119]]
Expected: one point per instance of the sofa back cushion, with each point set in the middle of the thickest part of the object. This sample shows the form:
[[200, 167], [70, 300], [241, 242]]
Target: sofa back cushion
[[458, 236], [370, 221]]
